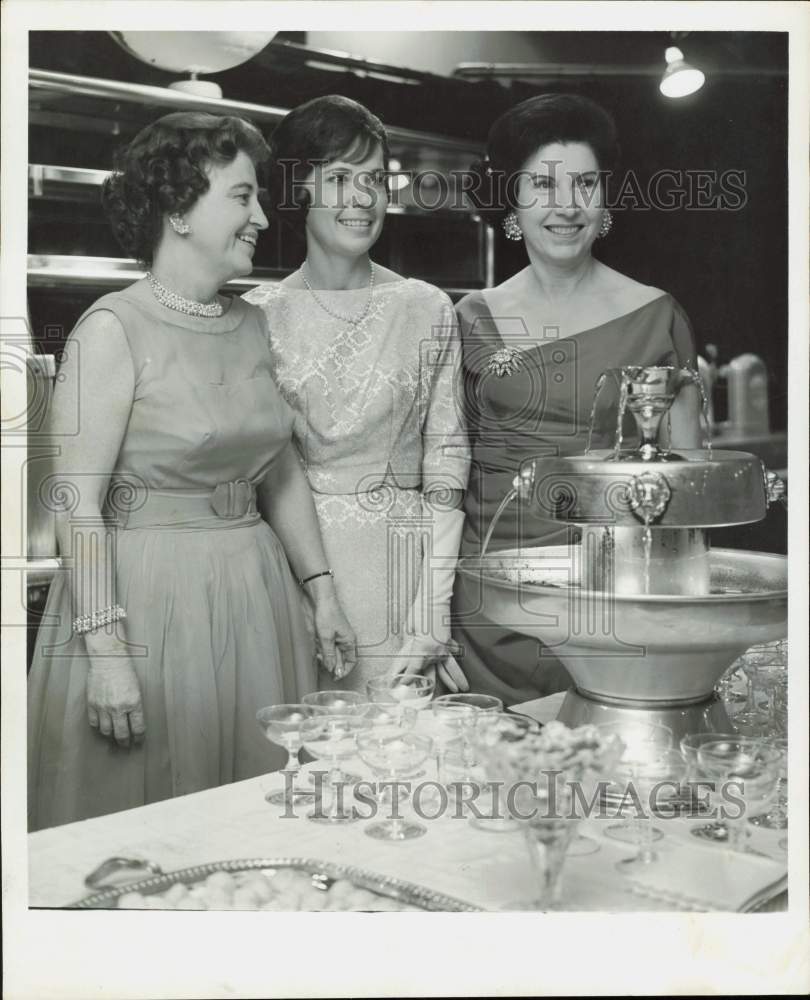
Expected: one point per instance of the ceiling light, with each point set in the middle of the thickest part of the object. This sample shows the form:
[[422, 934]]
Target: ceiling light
[[680, 78]]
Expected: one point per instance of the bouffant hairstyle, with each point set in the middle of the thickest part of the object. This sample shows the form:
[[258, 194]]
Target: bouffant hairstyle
[[320, 131], [529, 126], [164, 169]]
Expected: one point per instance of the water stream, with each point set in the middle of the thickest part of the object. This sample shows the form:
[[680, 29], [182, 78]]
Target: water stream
[[596, 390], [493, 523], [623, 394]]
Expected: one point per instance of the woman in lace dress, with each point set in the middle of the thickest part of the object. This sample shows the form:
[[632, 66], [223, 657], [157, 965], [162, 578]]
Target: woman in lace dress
[[368, 360]]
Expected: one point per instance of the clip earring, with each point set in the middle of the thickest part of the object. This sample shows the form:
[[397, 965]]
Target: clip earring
[[179, 224], [607, 224], [511, 227]]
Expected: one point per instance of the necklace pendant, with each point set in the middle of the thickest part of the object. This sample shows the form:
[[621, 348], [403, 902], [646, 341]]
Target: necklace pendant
[[505, 361]]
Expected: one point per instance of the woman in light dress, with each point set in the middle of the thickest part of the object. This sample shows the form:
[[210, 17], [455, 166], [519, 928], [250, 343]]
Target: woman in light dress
[[368, 361], [180, 504], [534, 346]]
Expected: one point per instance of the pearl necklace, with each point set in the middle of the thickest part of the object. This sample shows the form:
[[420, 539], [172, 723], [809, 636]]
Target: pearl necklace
[[205, 310], [351, 320]]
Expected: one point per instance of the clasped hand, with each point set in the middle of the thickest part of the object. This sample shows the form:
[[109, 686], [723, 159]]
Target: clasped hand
[[335, 640], [426, 655]]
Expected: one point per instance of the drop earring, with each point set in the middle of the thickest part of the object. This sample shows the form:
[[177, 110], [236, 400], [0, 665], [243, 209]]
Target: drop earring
[[511, 227], [179, 224], [607, 224]]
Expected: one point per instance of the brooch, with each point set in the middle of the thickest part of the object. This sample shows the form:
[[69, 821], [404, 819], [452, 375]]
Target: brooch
[[506, 361]]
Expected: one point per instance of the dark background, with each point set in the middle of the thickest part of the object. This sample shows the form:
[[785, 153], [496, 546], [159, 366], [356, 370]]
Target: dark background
[[727, 268]]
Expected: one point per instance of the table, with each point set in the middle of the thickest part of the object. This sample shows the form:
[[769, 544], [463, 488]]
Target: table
[[486, 869]]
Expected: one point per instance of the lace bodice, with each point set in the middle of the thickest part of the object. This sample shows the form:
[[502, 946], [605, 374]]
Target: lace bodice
[[377, 402]]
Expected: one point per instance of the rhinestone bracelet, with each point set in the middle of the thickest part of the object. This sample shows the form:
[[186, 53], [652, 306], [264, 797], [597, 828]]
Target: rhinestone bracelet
[[98, 619]]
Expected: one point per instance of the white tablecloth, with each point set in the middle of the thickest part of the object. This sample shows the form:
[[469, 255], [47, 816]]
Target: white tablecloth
[[487, 869]]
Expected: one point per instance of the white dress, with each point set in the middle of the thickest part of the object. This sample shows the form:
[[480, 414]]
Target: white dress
[[378, 419]]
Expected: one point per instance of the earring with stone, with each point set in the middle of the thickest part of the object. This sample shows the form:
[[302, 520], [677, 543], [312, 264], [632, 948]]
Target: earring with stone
[[607, 224], [179, 224], [511, 227]]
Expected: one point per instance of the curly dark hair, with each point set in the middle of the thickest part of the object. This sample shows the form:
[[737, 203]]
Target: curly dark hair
[[320, 131], [529, 126], [164, 169]]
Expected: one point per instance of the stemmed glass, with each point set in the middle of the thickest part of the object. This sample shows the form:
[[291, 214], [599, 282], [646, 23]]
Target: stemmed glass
[[642, 741], [446, 726], [650, 773], [751, 720], [333, 737], [413, 690], [481, 704], [282, 725], [754, 767], [339, 703], [690, 745], [393, 757], [777, 817], [773, 680]]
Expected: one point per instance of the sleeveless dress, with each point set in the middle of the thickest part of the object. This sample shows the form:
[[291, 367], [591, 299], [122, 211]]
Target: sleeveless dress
[[214, 615], [541, 409], [378, 419]]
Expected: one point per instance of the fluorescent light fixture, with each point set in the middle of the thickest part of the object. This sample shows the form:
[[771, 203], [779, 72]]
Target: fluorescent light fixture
[[679, 77]]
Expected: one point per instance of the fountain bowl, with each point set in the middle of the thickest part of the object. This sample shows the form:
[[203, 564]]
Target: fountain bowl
[[704, 489], [654, 650]]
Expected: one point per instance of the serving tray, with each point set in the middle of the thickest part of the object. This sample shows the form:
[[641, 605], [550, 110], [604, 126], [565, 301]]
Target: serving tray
[[323, 875]]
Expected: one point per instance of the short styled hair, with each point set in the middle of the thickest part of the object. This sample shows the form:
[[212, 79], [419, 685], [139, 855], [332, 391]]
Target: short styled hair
[[530, 125], [164, 169], [320, 131]]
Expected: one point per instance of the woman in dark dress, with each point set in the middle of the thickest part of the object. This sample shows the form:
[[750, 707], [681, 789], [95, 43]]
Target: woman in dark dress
[[534, 346]]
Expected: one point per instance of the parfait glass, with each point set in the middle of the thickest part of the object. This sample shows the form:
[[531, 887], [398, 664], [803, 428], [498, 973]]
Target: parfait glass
[[651, 774], [333, 737], [494, 728], [339, 703], [754, 766], [392, 758], [282, 725], [690, 744], [548, 835], [641, 741]]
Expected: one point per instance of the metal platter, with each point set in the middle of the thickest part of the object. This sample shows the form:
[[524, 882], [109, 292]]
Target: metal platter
[[323, 873]]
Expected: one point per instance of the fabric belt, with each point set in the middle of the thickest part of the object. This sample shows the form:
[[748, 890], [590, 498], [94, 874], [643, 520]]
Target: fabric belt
[[230, 504]]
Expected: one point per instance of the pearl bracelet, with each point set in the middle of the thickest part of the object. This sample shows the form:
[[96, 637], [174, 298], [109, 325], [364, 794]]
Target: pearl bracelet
[[98, 619]]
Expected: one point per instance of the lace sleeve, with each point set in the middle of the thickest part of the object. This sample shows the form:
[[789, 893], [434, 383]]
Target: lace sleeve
[[445, 448]]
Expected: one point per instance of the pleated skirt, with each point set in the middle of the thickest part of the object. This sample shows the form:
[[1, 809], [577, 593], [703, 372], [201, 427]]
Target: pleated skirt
[[216, 630]]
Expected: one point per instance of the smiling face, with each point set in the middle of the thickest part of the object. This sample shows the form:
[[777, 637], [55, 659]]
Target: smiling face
[[225, 221], [347, 204], [560, 202]]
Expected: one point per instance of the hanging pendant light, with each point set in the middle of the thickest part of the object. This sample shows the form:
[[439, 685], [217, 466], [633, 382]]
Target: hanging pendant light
[[680, 78]]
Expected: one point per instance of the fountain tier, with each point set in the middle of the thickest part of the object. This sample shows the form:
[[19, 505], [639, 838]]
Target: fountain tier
[[651, 649]]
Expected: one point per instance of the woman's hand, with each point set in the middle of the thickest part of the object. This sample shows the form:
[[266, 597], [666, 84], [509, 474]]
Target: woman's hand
[[335, 641], [431, 656], [114, 704]]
